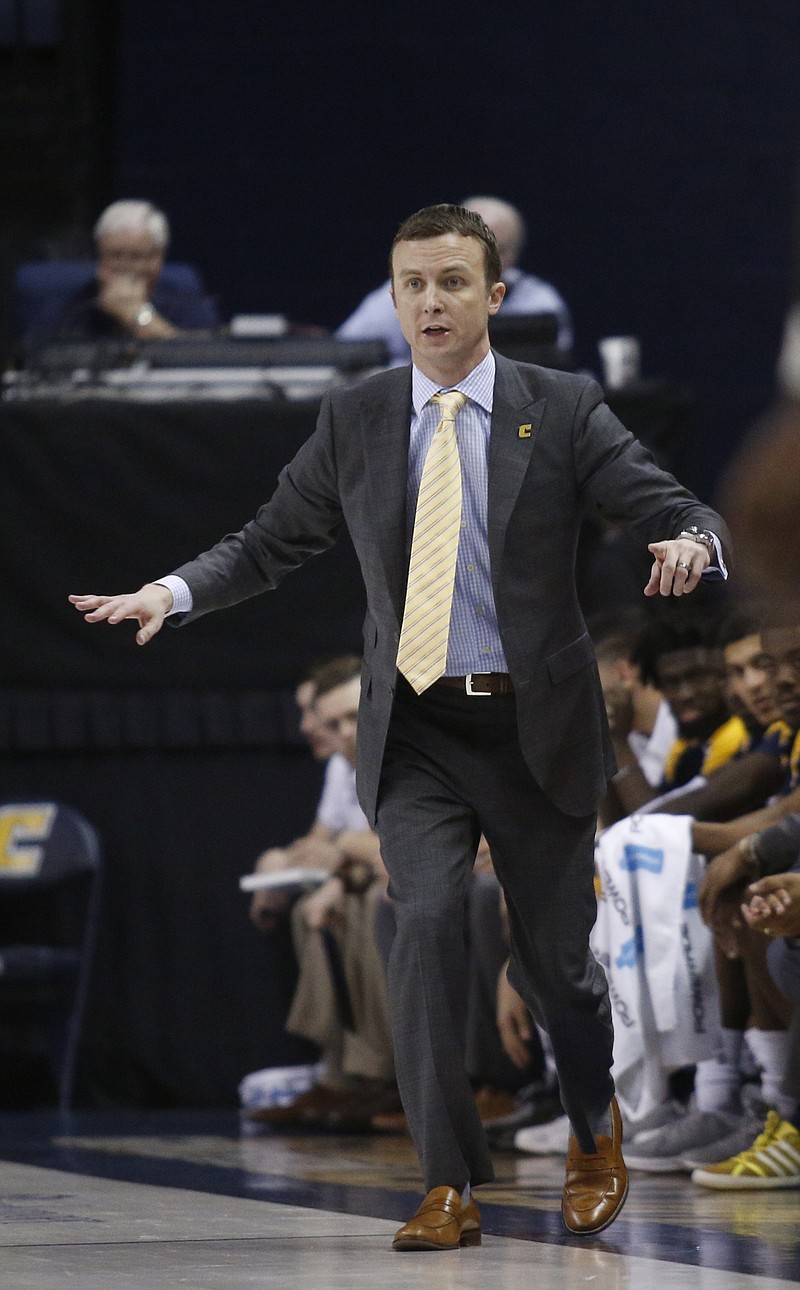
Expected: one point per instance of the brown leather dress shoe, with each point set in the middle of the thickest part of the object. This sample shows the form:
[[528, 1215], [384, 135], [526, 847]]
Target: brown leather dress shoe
[[387, 1115], [311, 1110], [390, 1122], [494, 1102], [596, 1184], [441, 1223]]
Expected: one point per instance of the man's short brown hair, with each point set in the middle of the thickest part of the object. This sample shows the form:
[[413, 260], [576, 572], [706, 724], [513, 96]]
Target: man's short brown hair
[[436, 221], [333, 673]]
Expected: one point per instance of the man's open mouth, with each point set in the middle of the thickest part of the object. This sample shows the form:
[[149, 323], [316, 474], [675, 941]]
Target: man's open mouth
[[688, 714]]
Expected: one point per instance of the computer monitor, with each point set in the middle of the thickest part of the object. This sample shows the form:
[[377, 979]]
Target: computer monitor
[[529, 338]]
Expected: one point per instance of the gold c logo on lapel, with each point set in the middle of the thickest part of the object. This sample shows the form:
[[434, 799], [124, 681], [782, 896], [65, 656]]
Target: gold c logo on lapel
[[524, 432]]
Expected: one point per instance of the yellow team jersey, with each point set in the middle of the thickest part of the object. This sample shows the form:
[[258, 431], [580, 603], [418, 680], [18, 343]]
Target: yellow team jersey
[[794, 763], [728, 741]]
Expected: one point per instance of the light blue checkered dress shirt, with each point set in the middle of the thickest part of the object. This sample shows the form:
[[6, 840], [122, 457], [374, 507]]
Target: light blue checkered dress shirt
[[474, 644]]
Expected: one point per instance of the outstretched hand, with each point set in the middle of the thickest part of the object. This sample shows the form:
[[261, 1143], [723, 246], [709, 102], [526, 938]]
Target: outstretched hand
[[677, 567], [773, 906], [149, 606]]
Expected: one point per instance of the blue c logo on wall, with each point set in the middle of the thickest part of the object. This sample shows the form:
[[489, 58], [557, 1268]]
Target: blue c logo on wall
[[631, 950], [635, 857]]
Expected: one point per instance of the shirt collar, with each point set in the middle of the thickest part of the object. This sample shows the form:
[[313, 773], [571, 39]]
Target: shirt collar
[[478, 386]]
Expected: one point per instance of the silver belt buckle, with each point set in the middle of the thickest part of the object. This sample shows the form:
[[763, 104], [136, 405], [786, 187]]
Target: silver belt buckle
[[476, 694]]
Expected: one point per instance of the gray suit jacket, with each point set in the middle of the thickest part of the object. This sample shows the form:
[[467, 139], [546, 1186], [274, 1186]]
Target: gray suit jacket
[[556, 449]]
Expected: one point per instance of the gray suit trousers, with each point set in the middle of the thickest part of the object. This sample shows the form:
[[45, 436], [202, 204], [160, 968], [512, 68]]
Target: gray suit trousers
[[453, 769]]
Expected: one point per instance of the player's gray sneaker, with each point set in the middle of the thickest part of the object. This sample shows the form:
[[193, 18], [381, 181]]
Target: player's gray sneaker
[[648, 1125], [662, 1152], [741, 1136]]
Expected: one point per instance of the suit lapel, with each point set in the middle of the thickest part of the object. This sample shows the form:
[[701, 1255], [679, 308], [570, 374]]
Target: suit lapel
[[516, 417], [386, 428]]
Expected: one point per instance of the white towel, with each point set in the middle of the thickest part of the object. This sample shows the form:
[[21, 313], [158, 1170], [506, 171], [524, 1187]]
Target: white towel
[[657, 954]]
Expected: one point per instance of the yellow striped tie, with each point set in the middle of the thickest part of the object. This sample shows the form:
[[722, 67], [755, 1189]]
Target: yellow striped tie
[[422, 653]]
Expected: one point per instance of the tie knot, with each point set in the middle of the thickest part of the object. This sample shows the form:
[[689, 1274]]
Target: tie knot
[[451, 402]]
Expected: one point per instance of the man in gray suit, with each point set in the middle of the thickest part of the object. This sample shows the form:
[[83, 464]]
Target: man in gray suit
[[507, 734]]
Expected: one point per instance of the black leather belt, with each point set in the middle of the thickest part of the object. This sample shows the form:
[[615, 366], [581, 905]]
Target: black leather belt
[[478, 684]]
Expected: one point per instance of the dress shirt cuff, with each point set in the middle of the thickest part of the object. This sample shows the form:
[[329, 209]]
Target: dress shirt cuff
[[789, 361], [720, 569], [181, 594]]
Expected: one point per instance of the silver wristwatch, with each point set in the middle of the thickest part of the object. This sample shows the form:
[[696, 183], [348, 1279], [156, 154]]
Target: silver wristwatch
[[694, 534]]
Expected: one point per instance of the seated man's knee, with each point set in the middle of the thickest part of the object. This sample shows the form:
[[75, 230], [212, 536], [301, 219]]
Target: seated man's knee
[[271, 860]]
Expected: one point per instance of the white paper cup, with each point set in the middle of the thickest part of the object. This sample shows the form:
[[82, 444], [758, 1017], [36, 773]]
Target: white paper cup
[[621, 357]]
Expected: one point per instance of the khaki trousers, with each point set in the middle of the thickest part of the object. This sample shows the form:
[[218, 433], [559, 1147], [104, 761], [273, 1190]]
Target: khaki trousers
[[364, 1052]]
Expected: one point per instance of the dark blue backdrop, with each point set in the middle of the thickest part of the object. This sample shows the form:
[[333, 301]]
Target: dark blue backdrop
[[650, 146]]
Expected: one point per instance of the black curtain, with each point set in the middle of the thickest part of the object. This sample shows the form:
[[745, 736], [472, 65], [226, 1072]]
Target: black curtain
[[185, 755]]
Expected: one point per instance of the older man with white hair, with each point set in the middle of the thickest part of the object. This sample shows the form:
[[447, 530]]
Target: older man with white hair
[[376, 318], [128, 296]]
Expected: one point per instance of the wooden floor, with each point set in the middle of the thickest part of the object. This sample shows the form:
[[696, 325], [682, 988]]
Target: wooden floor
[[143, 1202]]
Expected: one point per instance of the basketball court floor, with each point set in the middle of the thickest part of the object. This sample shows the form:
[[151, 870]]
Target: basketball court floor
[[145, 1201], [148, 1201]]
